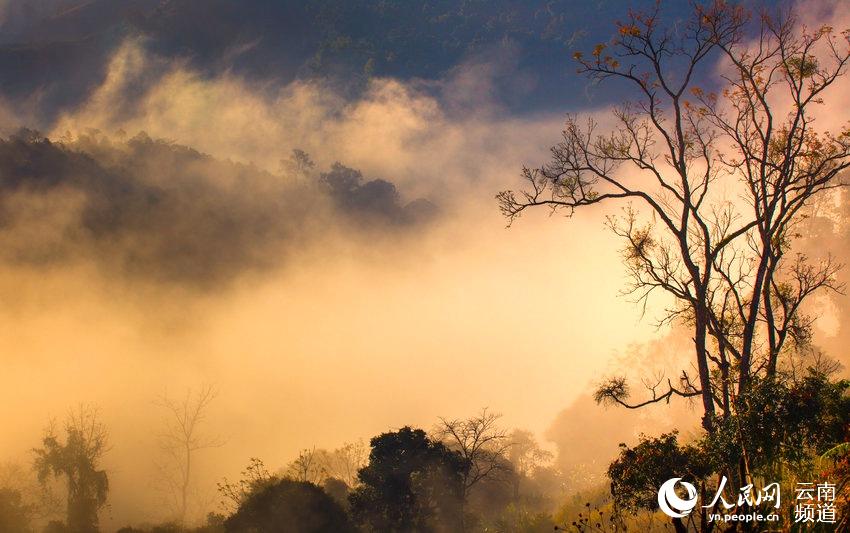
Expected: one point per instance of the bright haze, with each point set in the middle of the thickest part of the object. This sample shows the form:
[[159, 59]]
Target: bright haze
[[294, 203]]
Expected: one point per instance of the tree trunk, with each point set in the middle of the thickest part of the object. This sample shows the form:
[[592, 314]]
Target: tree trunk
[[184, 492], [700, 341], [750, 326]]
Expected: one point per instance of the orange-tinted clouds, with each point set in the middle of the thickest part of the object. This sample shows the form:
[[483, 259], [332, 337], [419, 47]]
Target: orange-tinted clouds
[[355, 331]]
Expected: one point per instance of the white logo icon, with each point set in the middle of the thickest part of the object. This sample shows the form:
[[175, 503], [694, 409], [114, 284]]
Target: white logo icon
[[670, 502]]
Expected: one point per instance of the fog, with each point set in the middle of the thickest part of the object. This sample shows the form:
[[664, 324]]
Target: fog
[[216, 262], [315, 327]]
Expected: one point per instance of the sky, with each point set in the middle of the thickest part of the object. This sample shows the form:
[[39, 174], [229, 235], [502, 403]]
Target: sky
[[165, 238]]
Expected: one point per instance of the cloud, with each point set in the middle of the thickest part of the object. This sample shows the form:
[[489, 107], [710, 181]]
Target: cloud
[[587, 435], [160, 212], [356, 319], [353, 320], [396, 131], [152, 205]]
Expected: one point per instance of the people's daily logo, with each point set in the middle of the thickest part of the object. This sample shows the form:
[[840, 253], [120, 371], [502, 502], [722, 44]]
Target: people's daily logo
[[670, 502], [815, 503]]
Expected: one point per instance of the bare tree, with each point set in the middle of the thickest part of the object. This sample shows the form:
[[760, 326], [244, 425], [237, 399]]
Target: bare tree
[[724, 177], [482, 443], [317, 465], [346, 461], [308, 466], [182, 438]]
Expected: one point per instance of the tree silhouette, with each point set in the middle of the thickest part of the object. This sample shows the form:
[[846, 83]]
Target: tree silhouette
[[410, 484], [77, 460], [181, 440], [725, 178], [484, 446], [290, 506]]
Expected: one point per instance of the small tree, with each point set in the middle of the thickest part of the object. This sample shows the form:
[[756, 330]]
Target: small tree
[[77, 461]]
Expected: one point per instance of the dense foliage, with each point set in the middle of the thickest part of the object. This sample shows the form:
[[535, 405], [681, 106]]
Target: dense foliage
[[289, 506], [410, 484]]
